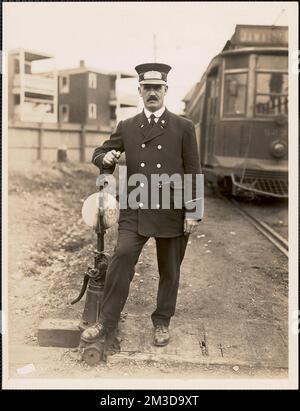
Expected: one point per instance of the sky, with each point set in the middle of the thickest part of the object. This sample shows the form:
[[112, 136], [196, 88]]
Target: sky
[[116, 36]]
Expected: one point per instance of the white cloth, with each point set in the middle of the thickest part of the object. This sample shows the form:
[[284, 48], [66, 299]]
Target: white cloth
[[157, 113]]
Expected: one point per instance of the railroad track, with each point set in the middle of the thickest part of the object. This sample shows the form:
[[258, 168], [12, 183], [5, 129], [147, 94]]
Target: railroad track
[[280, 242]]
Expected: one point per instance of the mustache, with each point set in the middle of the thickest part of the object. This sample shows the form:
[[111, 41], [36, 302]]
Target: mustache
[[152, 99]]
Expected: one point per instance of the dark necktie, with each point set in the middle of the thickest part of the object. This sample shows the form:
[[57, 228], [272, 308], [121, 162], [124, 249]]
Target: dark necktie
[[152, 122]]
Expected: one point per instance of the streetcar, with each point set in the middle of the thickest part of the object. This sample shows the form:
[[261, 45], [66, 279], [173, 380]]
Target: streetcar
[[240, 112]]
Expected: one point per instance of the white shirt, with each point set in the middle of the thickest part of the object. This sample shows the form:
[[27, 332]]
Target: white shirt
[[157, 113]]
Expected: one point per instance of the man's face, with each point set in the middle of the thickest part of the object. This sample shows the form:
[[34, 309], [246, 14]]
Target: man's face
[[153, 95]]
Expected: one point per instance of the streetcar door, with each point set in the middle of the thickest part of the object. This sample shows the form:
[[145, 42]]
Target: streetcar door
[[211, 114]]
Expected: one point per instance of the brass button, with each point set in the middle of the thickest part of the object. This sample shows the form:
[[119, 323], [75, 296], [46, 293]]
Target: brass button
[[142, 164], [159, 147], [141, 205], [142, 184], [143, 145], [158, 165]]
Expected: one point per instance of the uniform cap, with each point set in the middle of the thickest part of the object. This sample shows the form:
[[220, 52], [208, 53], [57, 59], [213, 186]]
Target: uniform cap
[[153, 73]]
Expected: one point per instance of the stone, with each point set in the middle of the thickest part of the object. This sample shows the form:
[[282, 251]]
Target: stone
[[56, 332]]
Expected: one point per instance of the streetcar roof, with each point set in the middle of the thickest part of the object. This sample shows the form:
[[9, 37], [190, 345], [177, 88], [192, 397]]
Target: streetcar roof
[[254, 50], [246, 35]]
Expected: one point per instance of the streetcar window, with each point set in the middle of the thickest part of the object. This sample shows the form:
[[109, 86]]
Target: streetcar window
[[235, 94], [236, 62], [271, 105], [271, 94], [269, 83], [272, 62]]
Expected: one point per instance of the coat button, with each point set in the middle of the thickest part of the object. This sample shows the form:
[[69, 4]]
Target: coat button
[[158, 165], [143, 145], [142, 184], [142, 164], [141, 205], [159, 147]]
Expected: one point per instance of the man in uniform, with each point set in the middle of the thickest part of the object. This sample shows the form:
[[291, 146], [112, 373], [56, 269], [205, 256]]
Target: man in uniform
[[155, 141]]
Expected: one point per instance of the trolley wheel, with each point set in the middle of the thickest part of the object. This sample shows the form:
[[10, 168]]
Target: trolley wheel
[[93, 354]]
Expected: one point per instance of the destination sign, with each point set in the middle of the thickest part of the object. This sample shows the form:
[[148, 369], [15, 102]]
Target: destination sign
[[261, 35]]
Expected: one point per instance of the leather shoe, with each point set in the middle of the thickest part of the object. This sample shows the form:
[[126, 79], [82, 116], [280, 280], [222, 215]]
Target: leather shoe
[[161, 335], [93, 333]]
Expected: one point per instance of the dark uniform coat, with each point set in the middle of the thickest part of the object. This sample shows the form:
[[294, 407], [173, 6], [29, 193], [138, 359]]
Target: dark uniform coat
[[169, 147]]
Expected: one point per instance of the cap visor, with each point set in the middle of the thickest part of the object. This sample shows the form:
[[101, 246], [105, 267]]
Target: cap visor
[[153, 82]]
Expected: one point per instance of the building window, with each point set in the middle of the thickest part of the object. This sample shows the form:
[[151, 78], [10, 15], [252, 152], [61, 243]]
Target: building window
[[92, 80], [64, 84], [17, 66], [235, 94], [64, 113], [27, 67], [16, 99], [50, 108], [112, 82], [92, 110], [113, 115]]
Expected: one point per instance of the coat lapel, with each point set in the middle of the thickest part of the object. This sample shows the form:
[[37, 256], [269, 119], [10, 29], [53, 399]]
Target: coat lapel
[[158, 129], [143, 124]]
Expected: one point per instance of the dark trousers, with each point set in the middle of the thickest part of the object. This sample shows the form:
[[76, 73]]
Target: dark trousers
[[170, 253]]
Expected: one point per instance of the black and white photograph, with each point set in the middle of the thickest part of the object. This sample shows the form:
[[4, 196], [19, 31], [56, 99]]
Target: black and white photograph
[[150, 196]]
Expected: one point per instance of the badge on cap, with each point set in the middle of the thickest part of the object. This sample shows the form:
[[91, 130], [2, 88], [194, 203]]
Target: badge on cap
[[152, 75]]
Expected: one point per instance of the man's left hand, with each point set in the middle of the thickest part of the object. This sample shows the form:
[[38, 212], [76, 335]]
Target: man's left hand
[[190, 225]]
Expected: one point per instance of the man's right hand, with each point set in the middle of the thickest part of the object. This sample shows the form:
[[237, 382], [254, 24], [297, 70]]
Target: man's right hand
[[111, 158]]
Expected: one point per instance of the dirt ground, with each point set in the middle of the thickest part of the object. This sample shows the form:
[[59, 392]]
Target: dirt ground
[[230, 273]]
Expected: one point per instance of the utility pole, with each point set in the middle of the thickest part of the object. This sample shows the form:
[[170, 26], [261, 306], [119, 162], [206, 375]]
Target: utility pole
[[154, 47], [280, 14]]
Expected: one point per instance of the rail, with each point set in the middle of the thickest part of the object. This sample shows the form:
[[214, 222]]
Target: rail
[[280, 242]]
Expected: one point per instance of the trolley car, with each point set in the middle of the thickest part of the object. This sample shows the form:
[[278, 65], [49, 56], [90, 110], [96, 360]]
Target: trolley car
[[240, 109]]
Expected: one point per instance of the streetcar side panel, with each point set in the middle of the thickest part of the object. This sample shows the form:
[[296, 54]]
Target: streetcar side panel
[[245, 136]]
